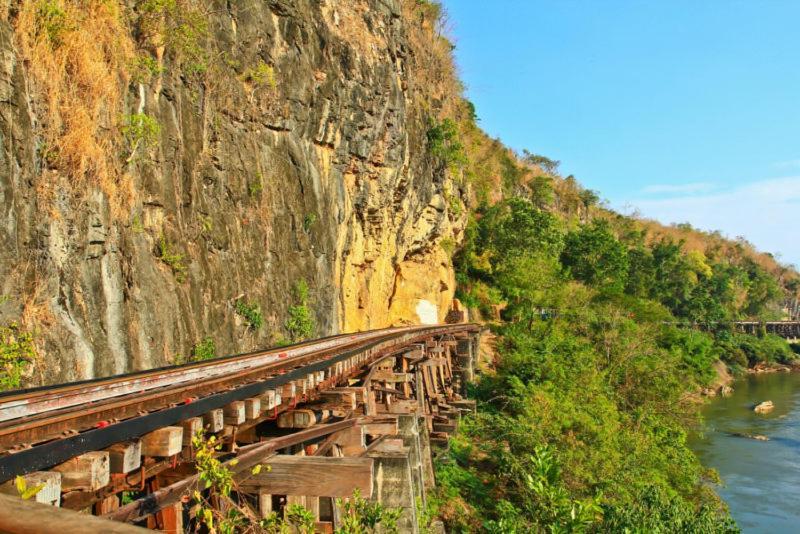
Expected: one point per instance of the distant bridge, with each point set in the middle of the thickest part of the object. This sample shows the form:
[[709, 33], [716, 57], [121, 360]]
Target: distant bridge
[[784, 329]]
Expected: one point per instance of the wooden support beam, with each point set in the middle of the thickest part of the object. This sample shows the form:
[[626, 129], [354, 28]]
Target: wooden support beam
[[214, 421], [50, 482], [234, 413], [252, 408], [191, 427], [387, 427], [89, 471], [125, 457], [312, 476], [268, 400], [338, 399], [107, 505], [166, 441], [404, 407], [301, 418], [352, 441], [383, 375], [29, 517]]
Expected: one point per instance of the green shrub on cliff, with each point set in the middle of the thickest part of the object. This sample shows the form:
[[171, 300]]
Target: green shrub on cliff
[[17, 353], [300, 322], [251, 313]]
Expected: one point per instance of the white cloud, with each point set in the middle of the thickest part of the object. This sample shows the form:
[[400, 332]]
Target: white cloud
[[766, 213], [791, 164], [677, 189]]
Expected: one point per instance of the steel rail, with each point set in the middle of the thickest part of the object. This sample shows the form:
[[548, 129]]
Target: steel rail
[[235, 383], [35, 402]]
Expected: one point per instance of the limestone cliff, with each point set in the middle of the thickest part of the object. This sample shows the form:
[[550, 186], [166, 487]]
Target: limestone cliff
[[163, 160]]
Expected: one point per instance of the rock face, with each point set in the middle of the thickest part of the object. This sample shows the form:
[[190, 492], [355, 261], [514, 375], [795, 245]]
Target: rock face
[[247, 188], [764, 407]]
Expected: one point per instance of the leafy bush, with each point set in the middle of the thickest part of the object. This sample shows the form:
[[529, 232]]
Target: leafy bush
[[140, 129], [261, 75], [51, 21], [251, 312], [174, 260], [300, 324], [443, 142], [17, 353], [205, 350]]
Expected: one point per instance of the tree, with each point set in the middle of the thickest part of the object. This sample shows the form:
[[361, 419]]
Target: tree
[[594, 256]]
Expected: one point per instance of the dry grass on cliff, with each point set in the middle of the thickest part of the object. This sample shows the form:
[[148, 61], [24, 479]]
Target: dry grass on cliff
[[77, 53]]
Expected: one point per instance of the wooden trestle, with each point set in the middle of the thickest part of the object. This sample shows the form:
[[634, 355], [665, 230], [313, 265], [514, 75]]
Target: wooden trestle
[[363, 416]]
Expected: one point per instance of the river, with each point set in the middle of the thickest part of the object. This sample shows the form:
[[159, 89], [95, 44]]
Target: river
[[761, 478]]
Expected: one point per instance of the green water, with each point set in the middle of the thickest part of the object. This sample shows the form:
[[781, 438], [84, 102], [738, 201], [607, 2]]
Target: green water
[[761, 478]]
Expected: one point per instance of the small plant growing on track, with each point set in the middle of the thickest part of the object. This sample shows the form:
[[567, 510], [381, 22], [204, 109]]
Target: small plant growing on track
[[17, 352], [251, 312]]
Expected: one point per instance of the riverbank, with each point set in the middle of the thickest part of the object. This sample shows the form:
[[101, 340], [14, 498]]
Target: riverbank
[[756, 455]]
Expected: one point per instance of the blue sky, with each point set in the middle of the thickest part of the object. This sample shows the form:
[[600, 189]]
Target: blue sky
[[685, 110]]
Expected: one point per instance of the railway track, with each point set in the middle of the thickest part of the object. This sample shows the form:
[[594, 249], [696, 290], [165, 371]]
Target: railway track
[[45, 426]]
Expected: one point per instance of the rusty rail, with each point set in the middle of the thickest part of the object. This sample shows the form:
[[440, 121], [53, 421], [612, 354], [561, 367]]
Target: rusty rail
[[43, 427]]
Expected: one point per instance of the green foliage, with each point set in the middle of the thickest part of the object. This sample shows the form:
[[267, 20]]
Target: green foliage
[[582, 425], [548, 165], [448, 245], [300, 323], [255, 187], [542, 193], [205, 350], [655, 511], [174, 260], [595, 257], [144, 67], [444, 143], [308, 221], [17, 353], [140, 129], [25, 493], [360, 515], [251, 312], [262, 75], [181, 27], [51, 22]]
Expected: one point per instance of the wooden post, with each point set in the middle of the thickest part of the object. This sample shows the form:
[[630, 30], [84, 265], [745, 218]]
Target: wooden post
[[316, 476], [89, 471], [234, 413], [264, 503], [300, 418], [50, 482], [125, 457], [214, 420], [18, 516], [191, 427], [172, 518], [252, 408], [163, 442]]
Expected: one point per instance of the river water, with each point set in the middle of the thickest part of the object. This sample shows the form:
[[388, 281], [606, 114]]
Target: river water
[[761, 478]]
